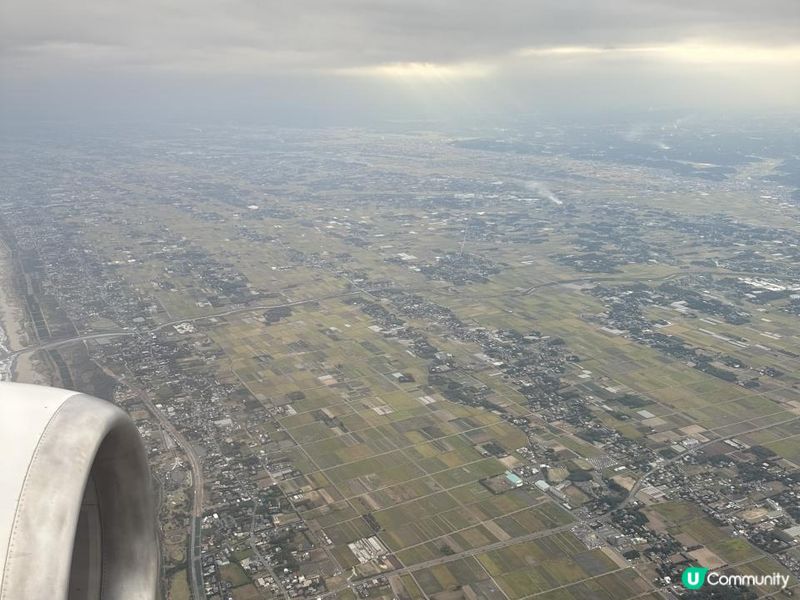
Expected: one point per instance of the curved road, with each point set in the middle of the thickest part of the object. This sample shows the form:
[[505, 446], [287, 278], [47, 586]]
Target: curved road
[[52, 344], [195, 566]]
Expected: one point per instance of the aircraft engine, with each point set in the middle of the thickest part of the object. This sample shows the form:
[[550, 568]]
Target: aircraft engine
[[76, 506]]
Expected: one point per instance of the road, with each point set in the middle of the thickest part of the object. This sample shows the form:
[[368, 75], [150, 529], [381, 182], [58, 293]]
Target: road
[[194, 555], [198, 485], [246, 309], [641, 481], [466, 553], [51, 345], [539, 534], [198, 490], [195, 562]]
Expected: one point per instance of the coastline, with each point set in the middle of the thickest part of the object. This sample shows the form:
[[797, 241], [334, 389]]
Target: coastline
[[6, 364], [11, 316], [11, 329]]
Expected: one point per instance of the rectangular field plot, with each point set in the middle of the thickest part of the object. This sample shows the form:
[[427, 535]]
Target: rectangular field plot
[[543, 564]]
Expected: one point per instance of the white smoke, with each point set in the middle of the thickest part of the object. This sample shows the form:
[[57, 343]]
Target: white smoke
[[540, 189]]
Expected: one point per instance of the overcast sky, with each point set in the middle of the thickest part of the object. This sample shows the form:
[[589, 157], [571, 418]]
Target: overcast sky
[[433, 56]]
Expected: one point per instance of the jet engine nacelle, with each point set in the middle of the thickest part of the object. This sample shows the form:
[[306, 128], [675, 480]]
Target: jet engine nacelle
[[76, 507]]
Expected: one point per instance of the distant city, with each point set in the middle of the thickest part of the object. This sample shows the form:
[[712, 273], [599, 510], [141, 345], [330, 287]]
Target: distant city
[[551, 361]]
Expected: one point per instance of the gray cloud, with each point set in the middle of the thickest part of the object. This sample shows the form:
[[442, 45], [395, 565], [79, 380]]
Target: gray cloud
[[295, 52], [323, 34]]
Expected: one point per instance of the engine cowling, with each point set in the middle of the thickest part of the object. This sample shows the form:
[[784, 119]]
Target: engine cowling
[[76, 505]]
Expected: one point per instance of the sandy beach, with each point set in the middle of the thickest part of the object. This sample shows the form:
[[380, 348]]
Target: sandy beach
[[11, 314], [28, 369], [12, 334]]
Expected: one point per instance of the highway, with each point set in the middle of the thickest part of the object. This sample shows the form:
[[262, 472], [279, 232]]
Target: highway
[[198, 490], [53, 344], [194, 561]]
